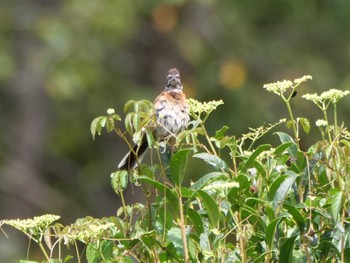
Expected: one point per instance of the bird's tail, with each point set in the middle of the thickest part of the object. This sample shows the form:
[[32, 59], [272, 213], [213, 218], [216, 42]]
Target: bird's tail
[[134, 157]]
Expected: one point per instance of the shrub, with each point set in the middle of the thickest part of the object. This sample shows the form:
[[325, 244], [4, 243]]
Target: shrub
[[267, 204]]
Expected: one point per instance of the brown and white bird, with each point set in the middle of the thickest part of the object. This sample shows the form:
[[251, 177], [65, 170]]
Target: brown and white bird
[[171, 114]]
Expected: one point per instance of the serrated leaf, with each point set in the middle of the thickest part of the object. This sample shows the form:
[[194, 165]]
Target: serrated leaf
[[128, 124], [149, 137], [213, 160], [136, 121], [116, 117], [110, 124], [128, 104], [124, 179], [119, 180], [96, 126], [305, 124], [210, 207], [137, 137], [178, 165]]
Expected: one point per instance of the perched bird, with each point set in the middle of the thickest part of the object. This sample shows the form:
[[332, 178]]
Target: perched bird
[[171, 114]]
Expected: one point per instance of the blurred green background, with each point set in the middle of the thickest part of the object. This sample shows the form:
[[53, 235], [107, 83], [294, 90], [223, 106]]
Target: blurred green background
[[64, 63]]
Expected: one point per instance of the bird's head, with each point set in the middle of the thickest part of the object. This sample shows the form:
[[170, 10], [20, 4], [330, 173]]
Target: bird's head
[[173, 80]]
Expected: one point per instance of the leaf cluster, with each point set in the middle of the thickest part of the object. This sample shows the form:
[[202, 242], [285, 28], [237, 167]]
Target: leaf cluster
[[268, 203]]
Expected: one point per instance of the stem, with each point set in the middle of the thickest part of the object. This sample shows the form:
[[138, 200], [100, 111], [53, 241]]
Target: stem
[[44, 251], [123, 203], [208, 139], [163, 172], [182, 226], [77, 251], [335, 120], [328, 130], [295, 131], [342, 242]]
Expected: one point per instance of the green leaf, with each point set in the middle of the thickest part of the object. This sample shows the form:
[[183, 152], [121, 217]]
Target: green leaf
[[149, 239], [178, 165], [187, 192], [165, 191], [164, 220], [275, 185], [67, 258], [128, 104], [346, 143], [336, 204], [280, 187], [289, 124], [259, 167], [196, 220], [297, 216], [211, 208], [255, 154], [165, 155], [27, 261], [174, 237], [286, 250], [124, 178], [207, 178], [92, 254], [253, 217], [136, 121], [221, 133], [119, 180], [305, 124], [213, 160], [293, 149], [128, 124], [281, 148], [96, 126], [149, 137], [110, 124], [271, 229]]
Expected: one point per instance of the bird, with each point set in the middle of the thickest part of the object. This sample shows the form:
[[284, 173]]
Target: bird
[[171, 112]]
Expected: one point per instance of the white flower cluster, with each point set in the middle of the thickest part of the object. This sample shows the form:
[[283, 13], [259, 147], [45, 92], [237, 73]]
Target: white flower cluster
[[278, 87], [200, 107], [321, 123], [41, 222], [333, 95], [220, 185]]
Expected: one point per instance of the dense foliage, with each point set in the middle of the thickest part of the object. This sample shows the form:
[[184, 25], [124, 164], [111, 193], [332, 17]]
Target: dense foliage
[[266, 204]]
